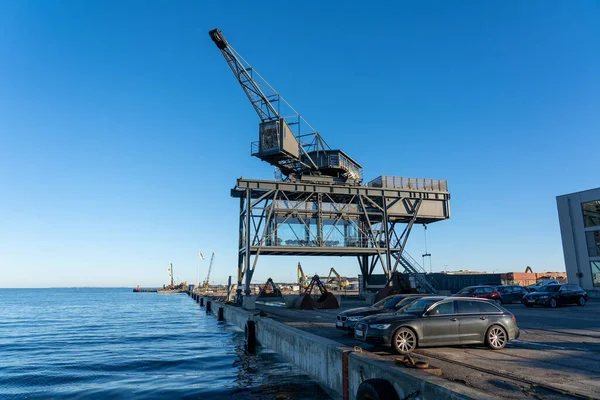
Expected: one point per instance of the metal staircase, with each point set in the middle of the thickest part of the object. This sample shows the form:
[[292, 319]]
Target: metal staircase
[[411, 267]]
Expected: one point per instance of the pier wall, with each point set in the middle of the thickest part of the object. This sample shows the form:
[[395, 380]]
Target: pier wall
[[323, 360]]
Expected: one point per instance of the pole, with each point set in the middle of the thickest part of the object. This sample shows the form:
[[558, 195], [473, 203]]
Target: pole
[[198, 271], [172, 284]]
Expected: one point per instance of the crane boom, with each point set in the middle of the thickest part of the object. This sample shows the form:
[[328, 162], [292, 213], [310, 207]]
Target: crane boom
[[206, 282], [244, 74], [296, 153]]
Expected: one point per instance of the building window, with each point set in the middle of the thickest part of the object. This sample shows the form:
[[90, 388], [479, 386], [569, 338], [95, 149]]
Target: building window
[[593, 243], [591, 213], [595, 272]]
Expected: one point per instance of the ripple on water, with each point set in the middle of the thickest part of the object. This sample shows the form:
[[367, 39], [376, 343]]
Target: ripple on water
[[105, 343]]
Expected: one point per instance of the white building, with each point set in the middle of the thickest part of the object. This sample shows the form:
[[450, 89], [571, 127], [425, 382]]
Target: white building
[[579, 218]]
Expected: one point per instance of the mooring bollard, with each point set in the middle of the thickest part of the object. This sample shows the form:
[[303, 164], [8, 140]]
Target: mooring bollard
[[201, 301], [250, 334], [220, 314], [208, 306], [197, 299]]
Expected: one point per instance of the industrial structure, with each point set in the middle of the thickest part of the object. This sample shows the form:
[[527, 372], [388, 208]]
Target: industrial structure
[[336, 282], [319, 205], [579, 218], [206, 282], [303, 279]]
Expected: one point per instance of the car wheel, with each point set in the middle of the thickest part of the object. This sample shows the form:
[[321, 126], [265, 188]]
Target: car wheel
[[496, 337], [404, 341], [552, 303], [581, 301]]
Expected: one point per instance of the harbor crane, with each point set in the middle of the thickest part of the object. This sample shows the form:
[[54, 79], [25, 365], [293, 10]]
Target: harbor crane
[[206, 282], [286, 140], [318, 204]]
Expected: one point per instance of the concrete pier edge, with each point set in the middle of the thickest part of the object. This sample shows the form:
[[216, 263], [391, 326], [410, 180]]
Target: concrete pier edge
[[323, 360]]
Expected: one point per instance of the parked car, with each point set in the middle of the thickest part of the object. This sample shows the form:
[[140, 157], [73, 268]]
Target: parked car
[[512, 293], [545, 282], [346, 320], [440, 321], [483, 292], [554, 295]]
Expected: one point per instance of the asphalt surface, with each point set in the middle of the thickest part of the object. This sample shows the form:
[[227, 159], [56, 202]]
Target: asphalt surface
[[556, 356]]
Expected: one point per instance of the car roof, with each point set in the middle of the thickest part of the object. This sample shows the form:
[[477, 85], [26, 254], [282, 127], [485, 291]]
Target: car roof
[[470, 298], [437, 298], [478, 286]]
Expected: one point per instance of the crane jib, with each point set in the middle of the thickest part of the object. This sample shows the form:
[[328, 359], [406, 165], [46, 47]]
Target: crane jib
[[217, 37], [296, 152]]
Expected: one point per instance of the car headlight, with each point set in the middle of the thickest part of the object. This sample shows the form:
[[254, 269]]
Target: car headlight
[[380, 326], [354, 319]]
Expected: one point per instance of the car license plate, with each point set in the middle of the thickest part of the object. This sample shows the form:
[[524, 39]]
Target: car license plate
[[360, 333], [339, 323], [530, 301]]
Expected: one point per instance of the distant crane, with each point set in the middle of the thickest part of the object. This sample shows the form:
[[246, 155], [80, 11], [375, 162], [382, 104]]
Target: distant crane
[[205, 284], [303, 280], [342, 282]]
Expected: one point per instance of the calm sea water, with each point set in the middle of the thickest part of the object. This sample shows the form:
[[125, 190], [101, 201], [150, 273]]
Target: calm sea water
[[113, 343]]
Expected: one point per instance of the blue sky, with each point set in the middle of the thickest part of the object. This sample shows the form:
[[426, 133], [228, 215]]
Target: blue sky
[[122, 128]]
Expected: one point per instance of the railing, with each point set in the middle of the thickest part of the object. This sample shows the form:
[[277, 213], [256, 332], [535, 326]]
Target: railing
[[401, 182], [337, 242], [254, 147], [339, 160], [414, 269], [413, 263]]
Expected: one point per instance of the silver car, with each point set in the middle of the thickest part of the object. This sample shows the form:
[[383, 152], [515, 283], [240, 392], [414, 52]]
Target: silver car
[[441, 321]]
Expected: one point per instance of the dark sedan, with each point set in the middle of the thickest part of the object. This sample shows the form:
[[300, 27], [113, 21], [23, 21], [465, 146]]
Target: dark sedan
[[512, 293], [346, 320], [555, 295], [440, 321]]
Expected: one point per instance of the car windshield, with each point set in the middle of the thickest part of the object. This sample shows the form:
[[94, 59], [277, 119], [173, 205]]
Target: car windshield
[[407, 300], [381, 303], [465, 291], [391, 303], [549, 288], [418, 307]]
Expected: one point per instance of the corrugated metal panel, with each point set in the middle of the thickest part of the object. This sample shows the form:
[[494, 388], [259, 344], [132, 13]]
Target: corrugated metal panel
[[454, 283]]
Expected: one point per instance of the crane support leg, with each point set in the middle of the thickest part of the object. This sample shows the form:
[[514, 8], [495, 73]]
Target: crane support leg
[[247, 240]]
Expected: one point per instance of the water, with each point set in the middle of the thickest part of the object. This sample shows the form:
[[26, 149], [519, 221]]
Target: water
[[113, 343]]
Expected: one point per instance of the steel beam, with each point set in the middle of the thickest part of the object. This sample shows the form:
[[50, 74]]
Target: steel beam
[[308, 219]]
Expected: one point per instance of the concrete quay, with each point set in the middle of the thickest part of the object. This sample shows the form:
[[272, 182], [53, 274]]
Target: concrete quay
[[556, 357]]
